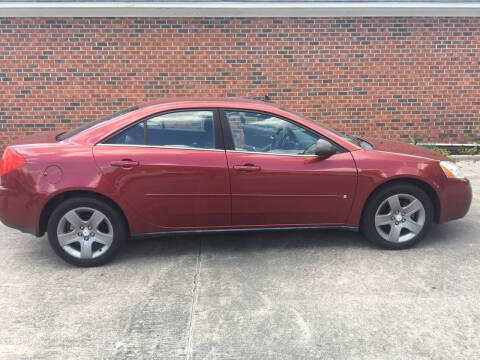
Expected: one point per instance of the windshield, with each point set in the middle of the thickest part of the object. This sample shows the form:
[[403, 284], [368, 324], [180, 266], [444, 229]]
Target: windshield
[[70, 133], [349, 138]]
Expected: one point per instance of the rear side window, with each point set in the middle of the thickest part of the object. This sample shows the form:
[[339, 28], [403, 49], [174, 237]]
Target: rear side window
[[134, 135], [182, 129], [192, 129]]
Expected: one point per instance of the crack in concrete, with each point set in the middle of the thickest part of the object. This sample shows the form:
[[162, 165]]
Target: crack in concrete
[[191, 323]]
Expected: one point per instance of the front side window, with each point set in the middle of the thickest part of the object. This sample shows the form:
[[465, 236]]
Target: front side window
[[183, 129], [258, 132]]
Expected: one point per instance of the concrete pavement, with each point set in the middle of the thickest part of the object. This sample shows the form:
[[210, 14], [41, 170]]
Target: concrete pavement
[[278, 295]]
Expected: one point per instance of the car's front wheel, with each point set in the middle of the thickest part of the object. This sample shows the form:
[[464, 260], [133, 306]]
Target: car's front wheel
[[86, 231], [398, 216]]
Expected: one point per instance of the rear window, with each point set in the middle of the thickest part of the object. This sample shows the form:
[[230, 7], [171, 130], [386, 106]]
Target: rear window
[[89, 125]]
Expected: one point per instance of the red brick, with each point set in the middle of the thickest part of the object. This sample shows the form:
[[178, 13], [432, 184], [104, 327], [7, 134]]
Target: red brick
[[396, 78]]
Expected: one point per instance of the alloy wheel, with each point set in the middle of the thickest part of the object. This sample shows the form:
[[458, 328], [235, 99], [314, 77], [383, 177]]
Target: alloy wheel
[[400, 218], [85, 233]]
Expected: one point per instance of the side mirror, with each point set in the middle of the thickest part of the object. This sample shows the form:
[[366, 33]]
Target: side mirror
[[324, 148]]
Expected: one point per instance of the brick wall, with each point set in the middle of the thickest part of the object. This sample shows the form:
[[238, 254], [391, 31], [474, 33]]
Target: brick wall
[[384, 77]]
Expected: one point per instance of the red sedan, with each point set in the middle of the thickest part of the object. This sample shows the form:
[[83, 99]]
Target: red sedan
[[190, 165]]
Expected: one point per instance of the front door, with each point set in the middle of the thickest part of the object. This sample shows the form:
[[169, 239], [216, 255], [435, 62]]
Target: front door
[[276, 180], [169, 170]]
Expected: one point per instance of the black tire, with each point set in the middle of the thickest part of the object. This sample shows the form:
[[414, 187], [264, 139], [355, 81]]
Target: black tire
[[120, 230], [368, 227]]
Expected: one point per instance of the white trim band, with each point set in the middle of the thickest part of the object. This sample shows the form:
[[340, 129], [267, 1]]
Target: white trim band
[[237, 9]]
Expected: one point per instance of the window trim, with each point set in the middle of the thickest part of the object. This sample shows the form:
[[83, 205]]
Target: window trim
[[161, 147], [266, 153], [217, 131], [230, 144]]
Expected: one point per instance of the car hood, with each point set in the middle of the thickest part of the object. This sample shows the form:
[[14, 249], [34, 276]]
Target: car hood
[[403, 148], [37, 138]]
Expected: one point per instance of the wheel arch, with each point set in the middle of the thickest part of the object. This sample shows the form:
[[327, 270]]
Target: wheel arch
[[58, 198], [429, 190]]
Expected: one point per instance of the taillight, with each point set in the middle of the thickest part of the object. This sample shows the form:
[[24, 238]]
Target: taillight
[[11, 160]]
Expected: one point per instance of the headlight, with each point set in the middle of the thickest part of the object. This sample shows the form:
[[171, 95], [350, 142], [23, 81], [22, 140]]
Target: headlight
[[451, 170]]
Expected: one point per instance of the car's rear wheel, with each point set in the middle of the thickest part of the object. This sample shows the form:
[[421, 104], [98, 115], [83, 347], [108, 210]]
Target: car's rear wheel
[[397, 216], [86, 231]]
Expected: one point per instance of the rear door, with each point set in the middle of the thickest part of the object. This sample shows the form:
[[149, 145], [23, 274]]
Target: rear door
[[277, 180], [171, 169]]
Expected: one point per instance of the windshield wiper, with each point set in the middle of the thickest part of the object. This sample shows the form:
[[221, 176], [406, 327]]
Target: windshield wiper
[[355, 139], [58, 136], [360, 142]]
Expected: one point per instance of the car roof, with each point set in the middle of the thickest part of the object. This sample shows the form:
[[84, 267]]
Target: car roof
[[202, 101], [97, 133]]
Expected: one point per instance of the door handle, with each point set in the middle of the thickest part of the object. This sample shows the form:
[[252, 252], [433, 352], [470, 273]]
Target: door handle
[[125, 163], [246, 167]]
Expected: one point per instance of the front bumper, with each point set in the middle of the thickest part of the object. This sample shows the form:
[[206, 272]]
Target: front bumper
[[455, 199]]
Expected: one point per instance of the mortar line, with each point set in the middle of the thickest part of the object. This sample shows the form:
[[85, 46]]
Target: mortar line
[[191, 322]]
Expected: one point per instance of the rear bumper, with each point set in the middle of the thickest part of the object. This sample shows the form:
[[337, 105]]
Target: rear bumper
[[22, 229], [16, 211], [455, 199]]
